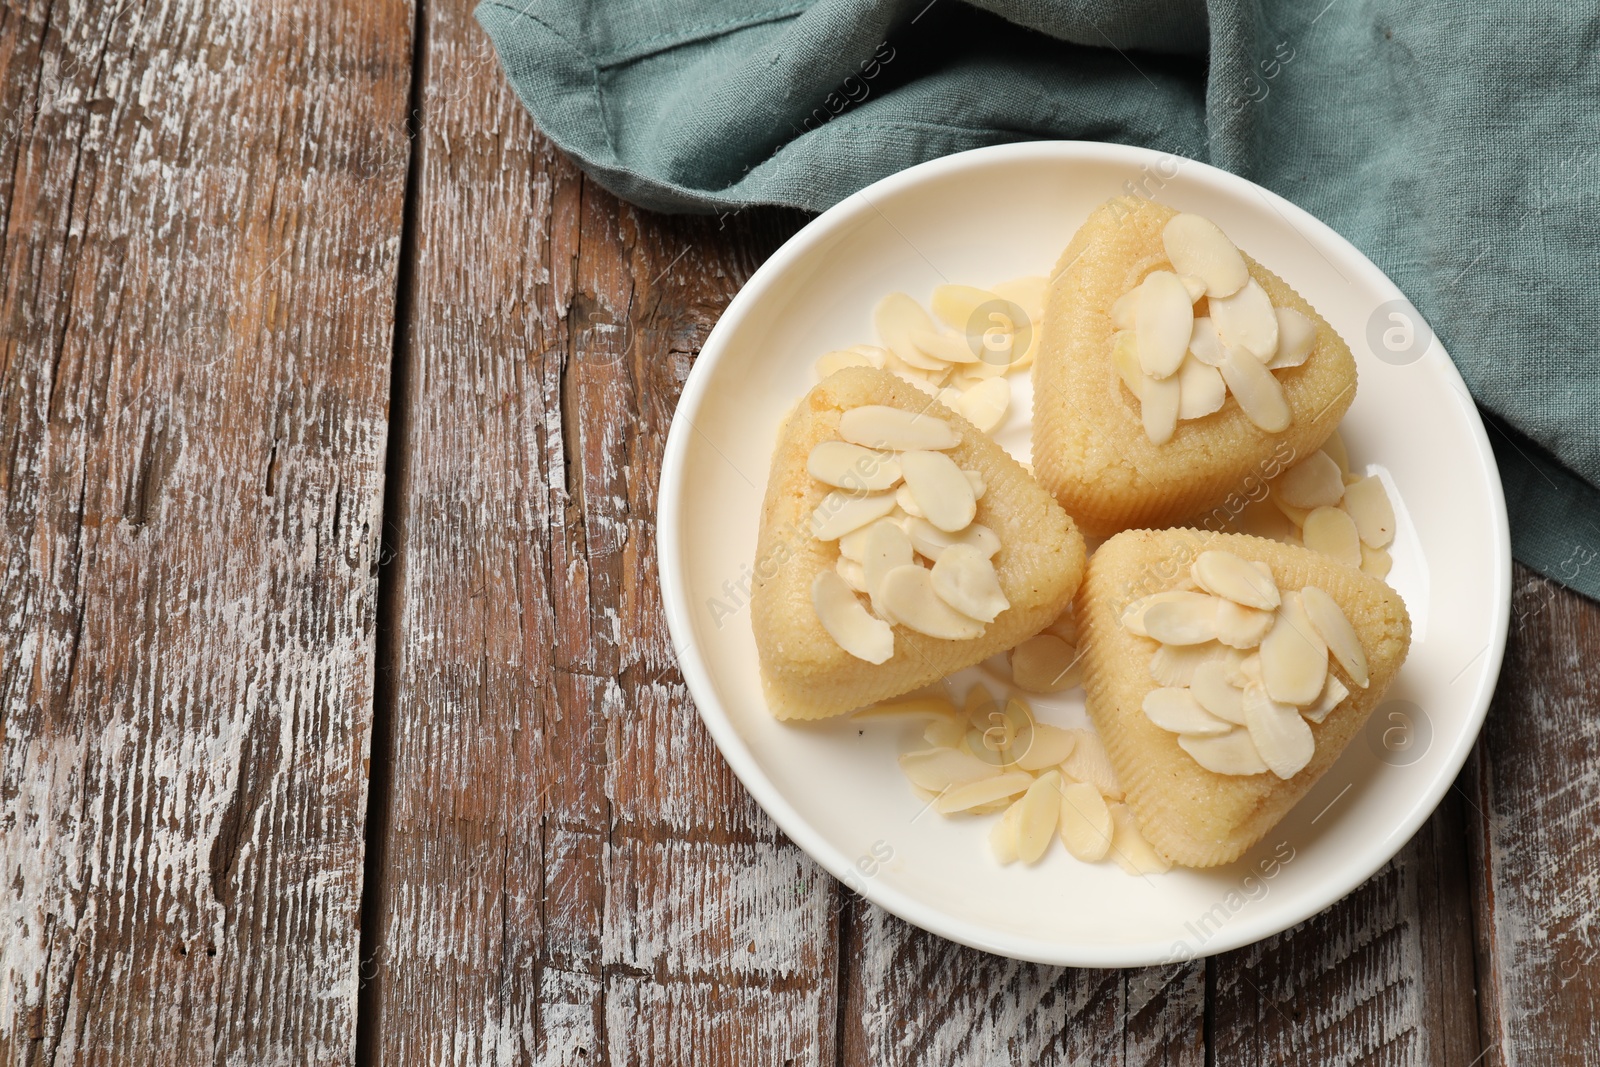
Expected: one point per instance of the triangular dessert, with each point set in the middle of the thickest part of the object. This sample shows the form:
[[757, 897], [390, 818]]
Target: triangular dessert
[[898, 543], [1225, 674], [1174, 370]]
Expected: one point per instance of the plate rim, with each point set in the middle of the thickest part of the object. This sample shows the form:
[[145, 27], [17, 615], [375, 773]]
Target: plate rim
[[742, 761]]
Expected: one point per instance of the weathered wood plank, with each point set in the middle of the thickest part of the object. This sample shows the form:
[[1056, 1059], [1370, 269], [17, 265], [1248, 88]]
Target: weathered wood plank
[[915, 998], [1383, 976], [1534, 825], [201, 206], [570, 874]]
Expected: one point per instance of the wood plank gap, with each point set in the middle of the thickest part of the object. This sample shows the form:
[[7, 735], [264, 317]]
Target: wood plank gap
[[388, 641]]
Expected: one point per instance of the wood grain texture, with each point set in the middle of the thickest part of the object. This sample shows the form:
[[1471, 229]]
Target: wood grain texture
[[570, 873], [1534, 822], [201, 207]]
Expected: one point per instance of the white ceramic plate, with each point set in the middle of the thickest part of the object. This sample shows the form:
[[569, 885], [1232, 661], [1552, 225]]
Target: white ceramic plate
[[981, 217]]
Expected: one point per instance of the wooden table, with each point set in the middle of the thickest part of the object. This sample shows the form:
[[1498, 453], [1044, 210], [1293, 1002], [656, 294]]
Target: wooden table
[[340, 720]]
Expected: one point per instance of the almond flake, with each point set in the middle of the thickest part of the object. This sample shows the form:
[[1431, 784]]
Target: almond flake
[[1297, 335], [1376, 562], [1201, 390], [984, 791], [1195, 286], [1159, 401], [947, 347], [1203, 343], [1163, 319], [1125, 360], [1041, 808], [1123, 310], [1235, 578], [1190, 619], [1085, 822], [833, 362], [1177, 710], [1047, 747], [852, 573], [1335, 448], [984, 405], [975, 479], [1178, 664], [908, 503], [915, 707], [1045, 664], [1246, 320], [841, 512], [1294, 656], [955, 305], [946, 733], [1241, 627], [940, 490], [1368, 504], [1281, 736], [964, 578], [1334, 627], [849, 466], [1315, 483], [1332, 532], [938, 769], [1089, 763], [1196, 245], [907, 595], [1217, 694], [1229, 753], [1258, 392], [848, 622], [1333, 692], [896, 318], [887, 547], [1129, 848], [1003, 836], [880, 426], [931, 541], [1134, 615]]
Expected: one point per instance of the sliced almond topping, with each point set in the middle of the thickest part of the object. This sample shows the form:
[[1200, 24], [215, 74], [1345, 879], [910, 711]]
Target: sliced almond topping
[[1315, 483], [1297, 335], [1178, 664], [975, 479], [1245, 670], [1201, 390], [1294, 657], [955, 305], [1123, 310], [1159, 401], [908, 503], [1258, 392], [1048, 747], [1041, 808], [947, 347], [937, 769], [1203, 343], [880, 426], [1129, 847], [948, 733], [984, 405], [1229, 753], [1235, 578], [1241, 627], [852, 573], [853, 545], [1134, 616], [1368, 504], [1332, 532], [1334, 627], [1196, 286], [1295, 515], [965, 579], [850, 466], [1085, 826], [833, 362], [841, 512], [931, 541], [907, 595], [1027, 292], [1178, 711], [1189, 619], [1376, 562], [1045, 664], [1333, 692], [1089, 763], [1281, 736], [1196, 245], [1003, 835], [940, 490], [1125, 359], [1246, 320], [887, 547], [1163, 319], [897, 317], [985, 791], [1214, 692], [916, 378], [848, 622]]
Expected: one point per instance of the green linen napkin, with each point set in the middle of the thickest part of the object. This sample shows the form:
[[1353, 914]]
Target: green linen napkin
[[1457, 144]]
